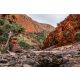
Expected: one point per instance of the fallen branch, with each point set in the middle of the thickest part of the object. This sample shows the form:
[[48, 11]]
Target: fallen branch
[[7, 43]]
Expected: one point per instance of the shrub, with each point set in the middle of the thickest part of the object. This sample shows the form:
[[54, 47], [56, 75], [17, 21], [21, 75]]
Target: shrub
[[78, 35], [23, 44], [65, 33], [2, 22], [15, 28], [1, 30], [7, 28], [53, 42], [2, 50], [39, 36], [2, 39]]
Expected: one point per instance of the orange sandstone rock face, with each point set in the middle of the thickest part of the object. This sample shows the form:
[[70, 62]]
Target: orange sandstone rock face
[[29, 24], [65, 33]]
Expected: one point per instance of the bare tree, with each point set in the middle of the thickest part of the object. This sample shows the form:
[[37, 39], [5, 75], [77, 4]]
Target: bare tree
[[7, 43]]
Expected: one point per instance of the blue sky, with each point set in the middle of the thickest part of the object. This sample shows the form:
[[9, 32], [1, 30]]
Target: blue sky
[[52, 19]]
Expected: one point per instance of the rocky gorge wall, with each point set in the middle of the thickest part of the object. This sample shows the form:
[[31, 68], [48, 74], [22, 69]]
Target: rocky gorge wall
[[65, 32]]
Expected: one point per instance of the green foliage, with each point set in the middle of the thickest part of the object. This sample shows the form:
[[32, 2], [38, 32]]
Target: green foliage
[[2, 22], [53, 42], [40, 36], [65, 33], [78, 35], [6, 27], [17, 28], [23, 44], [3, 39], [2, 50]]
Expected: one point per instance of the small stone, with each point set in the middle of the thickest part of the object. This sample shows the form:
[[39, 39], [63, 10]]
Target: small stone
[[3, 61]]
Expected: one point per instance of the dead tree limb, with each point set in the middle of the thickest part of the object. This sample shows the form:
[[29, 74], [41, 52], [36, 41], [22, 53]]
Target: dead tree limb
[[7, 43]]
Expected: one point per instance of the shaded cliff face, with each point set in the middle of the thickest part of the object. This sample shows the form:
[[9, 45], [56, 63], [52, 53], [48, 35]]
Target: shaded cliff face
[[29, 24], [65, 33]]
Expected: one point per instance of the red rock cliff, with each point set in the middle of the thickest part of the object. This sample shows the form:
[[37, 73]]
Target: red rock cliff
[[29, 24], [65, 33]]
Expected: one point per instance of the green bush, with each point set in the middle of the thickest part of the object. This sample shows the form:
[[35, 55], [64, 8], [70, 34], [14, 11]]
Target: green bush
[[78, 35], [53, 42], [40, 36], [23, 44], [65, 33], [2, 50], [3, 39], [6, 27], [1, 30], [2, 22], [15, 28]]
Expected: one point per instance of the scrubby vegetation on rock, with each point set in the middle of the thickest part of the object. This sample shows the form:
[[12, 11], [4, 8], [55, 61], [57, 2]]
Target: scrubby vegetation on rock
[[5, 28], [22, 43], [1, 22], [40, 36], [78, 35], [15, 22]]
